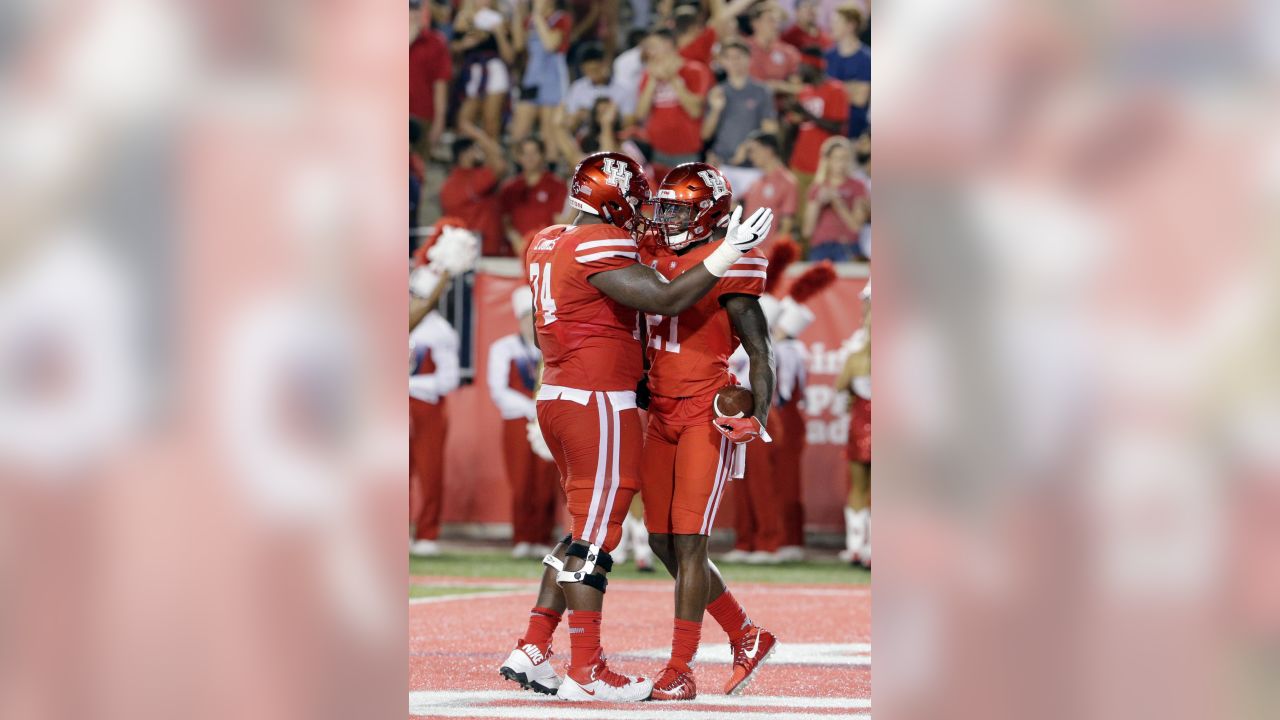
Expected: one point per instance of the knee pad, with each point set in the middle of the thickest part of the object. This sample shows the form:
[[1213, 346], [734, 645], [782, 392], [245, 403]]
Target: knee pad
[[554, 562], [593, 557]]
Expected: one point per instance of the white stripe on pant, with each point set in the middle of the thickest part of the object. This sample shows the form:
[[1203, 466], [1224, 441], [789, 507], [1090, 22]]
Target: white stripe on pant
[[713, 502], [596, 529]]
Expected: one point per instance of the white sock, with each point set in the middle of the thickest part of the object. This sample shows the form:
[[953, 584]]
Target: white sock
[[854, 528], [866, 539]]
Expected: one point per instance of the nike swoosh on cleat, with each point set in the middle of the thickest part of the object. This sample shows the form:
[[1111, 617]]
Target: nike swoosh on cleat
[[592, 693], [754, 648]]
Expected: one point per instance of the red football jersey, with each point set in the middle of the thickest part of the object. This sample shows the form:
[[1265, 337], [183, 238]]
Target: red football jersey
[[588, 341], [689, 353]]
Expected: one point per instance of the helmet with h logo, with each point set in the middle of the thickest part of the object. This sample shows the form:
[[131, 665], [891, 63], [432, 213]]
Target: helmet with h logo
[[611, 186], [692, 201]]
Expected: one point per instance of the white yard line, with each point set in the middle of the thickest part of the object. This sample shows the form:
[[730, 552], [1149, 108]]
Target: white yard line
[[787, 653], [476, 704], [467, 596]]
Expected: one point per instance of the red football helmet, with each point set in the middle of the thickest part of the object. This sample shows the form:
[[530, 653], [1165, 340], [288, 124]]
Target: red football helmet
[[611, 186], [693, 199]]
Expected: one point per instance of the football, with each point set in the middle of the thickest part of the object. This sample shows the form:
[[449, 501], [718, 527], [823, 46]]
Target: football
[[734, 401]]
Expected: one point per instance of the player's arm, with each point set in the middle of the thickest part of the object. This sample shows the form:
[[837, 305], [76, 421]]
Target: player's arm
[[643, 288], [750, 325]]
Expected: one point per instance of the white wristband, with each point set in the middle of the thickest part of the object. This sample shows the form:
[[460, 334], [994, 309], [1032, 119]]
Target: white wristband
[[721, 259]]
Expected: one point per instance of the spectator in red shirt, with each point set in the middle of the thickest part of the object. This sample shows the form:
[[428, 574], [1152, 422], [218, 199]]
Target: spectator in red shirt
[[694, 37], [837, 206], [531, 200], [773, 62], [471, 190], [430, 69], [776, 187], [820, 111], [673, 92], [806, 33]]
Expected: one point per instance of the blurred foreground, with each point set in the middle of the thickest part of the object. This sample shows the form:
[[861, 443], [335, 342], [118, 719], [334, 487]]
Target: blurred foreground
[[1079, 447], [202, 432]]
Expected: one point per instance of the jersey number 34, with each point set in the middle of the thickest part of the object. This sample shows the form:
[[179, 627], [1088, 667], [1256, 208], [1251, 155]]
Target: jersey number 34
[[540, 284]]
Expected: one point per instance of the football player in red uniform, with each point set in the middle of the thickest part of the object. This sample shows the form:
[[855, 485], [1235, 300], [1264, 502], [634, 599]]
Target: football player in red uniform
[[587, 285], [690, 450]]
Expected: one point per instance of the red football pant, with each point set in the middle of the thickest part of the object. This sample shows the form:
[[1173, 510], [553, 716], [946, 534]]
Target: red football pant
[[684, 471], [533, 485], [597, 450], [757, 519], [786, 468], [427, 427]]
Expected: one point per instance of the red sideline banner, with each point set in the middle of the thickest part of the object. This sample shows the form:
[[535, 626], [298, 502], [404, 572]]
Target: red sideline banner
[[475, 482]]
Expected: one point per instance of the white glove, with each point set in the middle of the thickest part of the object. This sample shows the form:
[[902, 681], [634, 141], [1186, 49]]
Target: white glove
[[537, 442], [744, 236], [739, 239], [455, 251]]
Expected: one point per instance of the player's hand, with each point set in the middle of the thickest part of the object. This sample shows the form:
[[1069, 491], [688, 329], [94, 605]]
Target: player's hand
[[745, 235], [741, 430], [642, 393]]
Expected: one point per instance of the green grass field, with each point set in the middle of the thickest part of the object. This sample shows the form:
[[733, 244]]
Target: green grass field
[[490, 563]]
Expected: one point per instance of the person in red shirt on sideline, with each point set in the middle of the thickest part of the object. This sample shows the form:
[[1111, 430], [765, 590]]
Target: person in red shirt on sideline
[[430, 69], [471, 190], [775, 189], [806, 33], [773, 62], [821, 111], [673, 94], [531, 200]]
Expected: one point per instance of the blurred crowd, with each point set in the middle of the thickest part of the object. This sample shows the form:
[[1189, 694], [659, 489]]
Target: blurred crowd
[[506, 96]]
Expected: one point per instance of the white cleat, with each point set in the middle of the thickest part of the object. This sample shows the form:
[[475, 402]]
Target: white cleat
[[605, 685], [791, 553], [521, 551], [424, 548], [762, 557], [735, 556], [531, 668]]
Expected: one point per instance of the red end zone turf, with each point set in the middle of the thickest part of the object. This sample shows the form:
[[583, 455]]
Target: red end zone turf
[[822, 667]]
